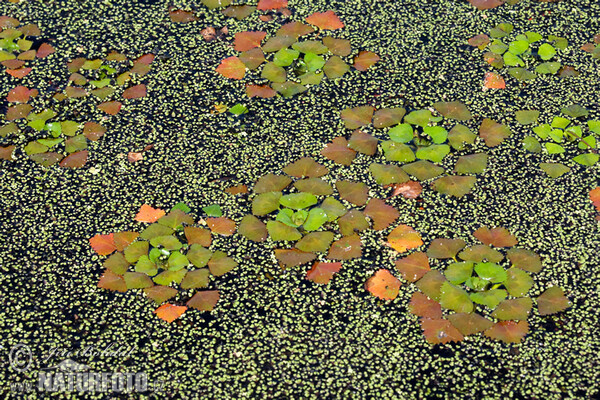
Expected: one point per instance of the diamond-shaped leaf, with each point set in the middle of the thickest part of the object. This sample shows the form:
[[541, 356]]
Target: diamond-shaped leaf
[[346, 248], [413, 266], [513, 309], [552, 301], [383, 285], [404, 238]]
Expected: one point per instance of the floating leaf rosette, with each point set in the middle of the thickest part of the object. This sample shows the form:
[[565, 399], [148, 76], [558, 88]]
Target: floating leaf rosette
[[169, 259], [566, 136], [313, 217], [524, 55], [479, 288], [419, 140], [295, 58]]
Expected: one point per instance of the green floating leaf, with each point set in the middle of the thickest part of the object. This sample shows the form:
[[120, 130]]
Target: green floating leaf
[[273, 72], [553, 148], [471, 164], [314, 62], [518, 282], [333, 208], [501, 30], [238, 109], [459, 136], [512, 61], [533, 37], [554, 170], [498, 47], [146, 266], [532, 144], [402, 133], [135, 250], [548, 68], [459, 272], [421, 118], [434, 152], [155, 230], [352, 221], [431, 284], [165, 278], [285, 57], [490, 298], [518, 47], [491, 272], [279, 231], [198, 255], [214, 210], [454, 185], [546, 51], [298, 201], [335, 67], [397, 151], [526, 117], [588, 159], [521, 74], [169, 242], [316, 218], [265, 203], [437, 134], [423, 170], [289, 89], [453, 109], [291, 218], [137, 280], [513, 309], [310, 46], [198, 278], [177, 261], [455, 298], [387, 174]]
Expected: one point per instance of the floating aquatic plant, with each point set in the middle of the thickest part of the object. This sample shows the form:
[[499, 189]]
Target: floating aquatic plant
[[525, 55], [169, 256], [593, 47], [480, 288], [562, 137], [419, 141]]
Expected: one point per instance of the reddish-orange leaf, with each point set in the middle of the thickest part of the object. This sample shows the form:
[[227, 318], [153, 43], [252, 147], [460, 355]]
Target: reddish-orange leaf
[[346, 248], [6, 152], [438, 331], [110, 107], [221, 225], [325, 20], [322, 272], [133, 156], [383, 215], [423, 306], [262, 91], [410, 189], [238, 189], [195, 235], [103, 244], [305, 168], [383, 285], [338, 151], [21, 94], [365, 60], [295, 29], [508, 331], [135, 92], [497, 237], [93, 130], [494, 81], [111, 281], [357, 117], [356, 193], [75, 160], [44, 50], [553, 300], [169, 312], [13, 64], [271, 4], [124, 239], [480, 41], [404, 238], [232, 68], [363, 143], [205, 300], [595, 197], [148, 214], [413, 266], [293, 257], [18, 73], [486, 4], [493, 133], [247, 40], [469, 324], [182, 16], [146, 59]]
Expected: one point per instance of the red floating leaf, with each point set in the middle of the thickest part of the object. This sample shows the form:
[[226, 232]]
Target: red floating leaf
[[480, 41], [103, 244], [93, 131], [247, 40], [111, 281], [169, 312], [44, 50], [182, 16], [263, 91], [486, 4], [338, 151], [75, 160], [383, 215], [494, 81], [205, 300], [553, 300], [595, 197], [438, 331], [322, 272], [325, 20], [21, 94], [13, 64], [135, 92], [146, 59], [365, 60], [508, 331], [469, 324], [413, 266], [221, 225], [110, 107], [357, 117], [423, 306], [497, 237], [148, 214], [383, 285], [410, 189], [293, 257], [404, 238], [271, 4], [232, 68], [124, 239], [195, 235], [18, 73]]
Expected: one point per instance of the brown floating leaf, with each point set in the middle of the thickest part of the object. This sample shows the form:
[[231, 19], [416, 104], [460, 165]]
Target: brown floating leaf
[[6, 152], [480, 41], [195, 235], [325, 20], [363, 143], [526, 260], [356, 117], [239, 12], [74, 92], [404, 238], [481, 252], [339, 47], [264, 91], [552, 301], [413, 266], [253, 58], [388, 117], [423, 306], [111, 281], [338, 151], [453, 109], [364, 60], [232, 68], [160, 293], [454, 185], [124, 239], [17, 112], [21, 94], [46, 159], [93, 131], [305, 167], [182, 16], [508, 331], [353, 220], [221, 225], [322, 272], [220, 264], [75, 160], [135, 92], [293, 257], [245, 41], [238, 189], [253, 229], [383, 215], [110, 107], [438, 331], [410, 189], [315, 242], [271, 183], [383, 285], [486, 4], [346, 248], [493, 133], [513, 309], [445, 248], [354, 192], [497, 237], [316, 186], [103, 244], [205, 300], [295, 29], [431, 284], [44, 50], [134, 157], [470, 324]]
